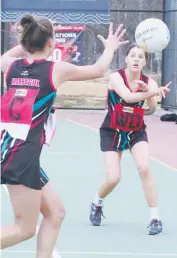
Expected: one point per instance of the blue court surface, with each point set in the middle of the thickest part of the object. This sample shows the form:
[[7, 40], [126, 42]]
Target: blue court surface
[[75, 166]]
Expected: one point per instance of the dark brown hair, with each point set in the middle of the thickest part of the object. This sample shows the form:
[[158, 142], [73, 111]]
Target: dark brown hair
[[133, 45], [36, 31]]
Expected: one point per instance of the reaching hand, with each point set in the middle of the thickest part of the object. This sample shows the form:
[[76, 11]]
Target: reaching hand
[[160, 91], [163, 90], [114, 40]]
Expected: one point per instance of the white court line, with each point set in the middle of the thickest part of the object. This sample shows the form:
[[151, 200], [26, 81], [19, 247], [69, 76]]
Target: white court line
[[106, 253], [164, 164], [121, 254], [55, 253], [154, 159], [86, 126]]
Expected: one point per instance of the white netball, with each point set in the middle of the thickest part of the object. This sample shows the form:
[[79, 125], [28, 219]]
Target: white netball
[[152, 35]]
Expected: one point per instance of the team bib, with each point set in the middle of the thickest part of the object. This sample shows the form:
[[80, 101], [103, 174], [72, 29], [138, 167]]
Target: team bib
[[127, 118], [16, 111]]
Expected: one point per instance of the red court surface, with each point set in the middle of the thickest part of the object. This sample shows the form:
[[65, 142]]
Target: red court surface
[[162, 135]]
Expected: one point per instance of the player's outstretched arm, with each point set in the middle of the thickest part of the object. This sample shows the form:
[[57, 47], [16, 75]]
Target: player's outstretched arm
[[64, 71]]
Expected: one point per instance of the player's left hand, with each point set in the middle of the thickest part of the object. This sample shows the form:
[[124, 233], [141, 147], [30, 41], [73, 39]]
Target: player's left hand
[[163, 90]]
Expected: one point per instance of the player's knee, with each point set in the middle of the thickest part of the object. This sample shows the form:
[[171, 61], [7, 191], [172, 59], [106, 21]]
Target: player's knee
[[60, 212], [113, 180], [143, 169], [28, 233], [57, 217], [56, 214]]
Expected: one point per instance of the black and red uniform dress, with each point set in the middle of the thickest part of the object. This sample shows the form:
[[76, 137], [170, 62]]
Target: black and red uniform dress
[[25, 109], [123, 125]]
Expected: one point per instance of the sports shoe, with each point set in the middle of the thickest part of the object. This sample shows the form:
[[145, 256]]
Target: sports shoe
[[95, 215], [155, 227]]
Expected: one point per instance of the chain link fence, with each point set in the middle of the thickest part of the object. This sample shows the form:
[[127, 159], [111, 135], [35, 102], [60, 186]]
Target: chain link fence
[[170, 54], [92, 94]]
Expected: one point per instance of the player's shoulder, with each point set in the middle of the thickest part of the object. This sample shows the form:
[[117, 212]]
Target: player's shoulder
[[119, 71], [117, 74]]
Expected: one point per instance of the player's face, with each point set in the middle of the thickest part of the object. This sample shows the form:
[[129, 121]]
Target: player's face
[[136, 59]]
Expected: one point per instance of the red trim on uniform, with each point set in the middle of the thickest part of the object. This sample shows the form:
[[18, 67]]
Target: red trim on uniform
[[38, 122], [50, 77], [126, 80], [26, 62], [42, 139], [8, 70], [114, 138], [147, 81], [39, 60], [141, 76], [12, 154]]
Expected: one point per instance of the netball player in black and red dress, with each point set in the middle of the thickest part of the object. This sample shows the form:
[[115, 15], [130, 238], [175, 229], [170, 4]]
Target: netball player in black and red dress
[[25, 110], [124, 128]]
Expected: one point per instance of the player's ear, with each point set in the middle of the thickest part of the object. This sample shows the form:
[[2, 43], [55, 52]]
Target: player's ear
[[50, 43]]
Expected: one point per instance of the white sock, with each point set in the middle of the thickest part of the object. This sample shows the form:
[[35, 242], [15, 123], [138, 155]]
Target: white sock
[[154, 214], [98, 201]]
